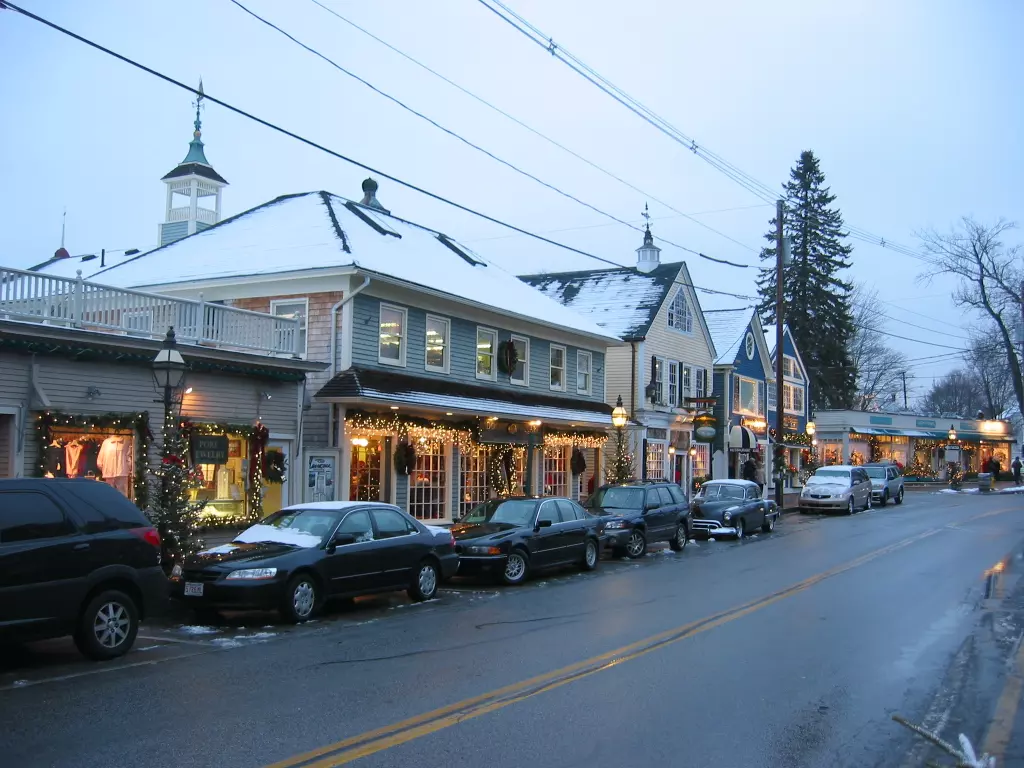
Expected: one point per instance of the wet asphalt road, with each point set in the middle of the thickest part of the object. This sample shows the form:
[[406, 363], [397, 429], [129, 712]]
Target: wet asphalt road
[[787, 649]]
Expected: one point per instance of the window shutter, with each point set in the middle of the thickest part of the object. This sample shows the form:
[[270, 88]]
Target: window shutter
[[735, 394]]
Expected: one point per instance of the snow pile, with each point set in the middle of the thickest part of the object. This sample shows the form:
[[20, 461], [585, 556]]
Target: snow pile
[[258, 534], [198, 630], [223, 549]]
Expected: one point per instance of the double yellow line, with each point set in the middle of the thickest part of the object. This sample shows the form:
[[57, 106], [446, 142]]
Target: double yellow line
[[371, 742]]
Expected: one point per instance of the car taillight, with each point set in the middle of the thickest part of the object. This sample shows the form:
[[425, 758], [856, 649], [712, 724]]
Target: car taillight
[[148, 535]]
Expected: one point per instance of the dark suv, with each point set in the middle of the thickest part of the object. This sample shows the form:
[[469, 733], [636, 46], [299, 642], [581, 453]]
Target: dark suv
[[76, 558], [638, 513]]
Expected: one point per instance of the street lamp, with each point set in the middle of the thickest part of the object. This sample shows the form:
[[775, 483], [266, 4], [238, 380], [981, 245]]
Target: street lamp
[[168, 368], [952, 433], [810, 429], [621, 465], [619, 415]]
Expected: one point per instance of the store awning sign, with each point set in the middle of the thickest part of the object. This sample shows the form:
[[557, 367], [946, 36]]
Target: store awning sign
[[210, 449], [502, 432]]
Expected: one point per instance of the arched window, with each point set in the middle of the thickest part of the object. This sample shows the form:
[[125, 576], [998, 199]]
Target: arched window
[[679, 315]]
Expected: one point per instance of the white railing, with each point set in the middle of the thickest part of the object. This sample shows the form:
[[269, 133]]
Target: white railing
[[205, 215], [78, 303]]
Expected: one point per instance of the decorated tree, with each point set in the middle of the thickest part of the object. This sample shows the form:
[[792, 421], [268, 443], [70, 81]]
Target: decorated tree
[[174, 513], [619, 465]]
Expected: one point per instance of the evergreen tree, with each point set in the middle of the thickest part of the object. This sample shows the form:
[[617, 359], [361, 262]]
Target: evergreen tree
[[818, 304], [619, 464], [174, 514]]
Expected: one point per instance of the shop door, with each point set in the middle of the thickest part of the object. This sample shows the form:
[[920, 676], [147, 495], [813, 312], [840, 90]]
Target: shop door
[[277, 495]]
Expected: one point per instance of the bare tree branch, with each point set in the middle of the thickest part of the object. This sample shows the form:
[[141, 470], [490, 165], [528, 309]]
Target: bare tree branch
[[880, 369]]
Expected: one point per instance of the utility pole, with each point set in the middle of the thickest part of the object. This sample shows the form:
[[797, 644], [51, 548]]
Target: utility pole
[[904, 375], [779, 355]]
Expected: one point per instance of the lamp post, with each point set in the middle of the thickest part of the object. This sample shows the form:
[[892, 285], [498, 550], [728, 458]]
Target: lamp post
[[168, 371], [952, 433], [168, 375], [620, 462]]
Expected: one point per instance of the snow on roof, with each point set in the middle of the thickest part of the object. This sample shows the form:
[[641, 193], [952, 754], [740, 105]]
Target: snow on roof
[[622, 300], [321, 231], [728, 328], [89, 264]]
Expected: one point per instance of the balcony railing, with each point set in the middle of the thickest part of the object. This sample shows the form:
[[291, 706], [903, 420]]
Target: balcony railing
[[78, 303]]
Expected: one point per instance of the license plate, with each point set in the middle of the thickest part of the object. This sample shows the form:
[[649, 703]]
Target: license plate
[[193, 589]]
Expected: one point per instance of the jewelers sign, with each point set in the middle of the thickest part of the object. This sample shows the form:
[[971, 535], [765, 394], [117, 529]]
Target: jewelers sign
[[704, 427], [210, 449]]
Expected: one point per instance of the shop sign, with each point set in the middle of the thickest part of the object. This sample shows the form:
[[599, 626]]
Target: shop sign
[[880, 420], [504, 432], [210, 449], [657, 433], [704, 427], [754, 424], [926, 423], [952, 454], [320, 480], [791, 423]]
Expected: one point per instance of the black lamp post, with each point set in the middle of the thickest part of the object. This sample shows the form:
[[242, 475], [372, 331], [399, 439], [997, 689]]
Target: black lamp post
[[168, 371]]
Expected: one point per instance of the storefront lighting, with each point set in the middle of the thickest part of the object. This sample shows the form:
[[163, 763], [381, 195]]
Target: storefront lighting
[[188, 390], [693, 451], [361, 442], [449, 413], [671, 450], [619, 415], [394, 407], [814, 443], [810, 428], [952, 433], [536, 423]]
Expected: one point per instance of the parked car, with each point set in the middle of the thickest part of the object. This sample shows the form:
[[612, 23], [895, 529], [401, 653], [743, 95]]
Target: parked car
[[886, 482], [76, 558], [732, 508], [297, 559], [839, 488], [510, 538], [639, 513]]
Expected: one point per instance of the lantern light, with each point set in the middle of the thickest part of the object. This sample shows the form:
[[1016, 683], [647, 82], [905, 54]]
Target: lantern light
[[952, 433], [810, 428], [619, 415]]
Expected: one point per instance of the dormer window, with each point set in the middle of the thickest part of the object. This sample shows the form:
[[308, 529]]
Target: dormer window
[[679, 315]]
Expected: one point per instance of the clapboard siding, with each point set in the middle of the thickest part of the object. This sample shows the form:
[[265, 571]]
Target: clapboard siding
[[618, 363], [462, 349], [231, 399]]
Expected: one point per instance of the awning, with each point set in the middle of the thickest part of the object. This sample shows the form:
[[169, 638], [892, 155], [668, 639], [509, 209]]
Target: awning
[[866, 431], [742, 439]]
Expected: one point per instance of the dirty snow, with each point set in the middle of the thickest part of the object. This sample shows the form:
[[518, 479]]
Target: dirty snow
[[223, 549], [226, 642], [197, 629], [271, 533]]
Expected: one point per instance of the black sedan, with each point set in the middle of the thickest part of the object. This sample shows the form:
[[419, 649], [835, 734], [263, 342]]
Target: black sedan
[[302, 556], [732, 508], [508, 538]]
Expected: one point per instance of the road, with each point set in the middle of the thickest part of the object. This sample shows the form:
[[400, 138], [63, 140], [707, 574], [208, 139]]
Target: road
[[787, 649]]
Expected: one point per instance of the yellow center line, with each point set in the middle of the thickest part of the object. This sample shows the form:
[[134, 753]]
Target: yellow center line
[[395, 734]]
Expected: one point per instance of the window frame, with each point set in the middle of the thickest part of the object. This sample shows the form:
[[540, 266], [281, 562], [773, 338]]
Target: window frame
[[673, 314], [685, 380], [525, 381], [672, 381], [740, 380], [658, 365], [304, 327], [583, 354], [552, 367], [447, 367], [410, 530], [403, 344], [771, 396], [794, 368], [493, 375]]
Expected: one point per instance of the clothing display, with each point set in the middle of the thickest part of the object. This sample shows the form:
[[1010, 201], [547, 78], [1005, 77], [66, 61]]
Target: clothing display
[[54, 460], [90, 458], [115, 457]]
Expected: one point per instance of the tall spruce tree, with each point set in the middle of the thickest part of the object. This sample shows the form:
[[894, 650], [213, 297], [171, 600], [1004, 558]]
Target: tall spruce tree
[[818, 305]]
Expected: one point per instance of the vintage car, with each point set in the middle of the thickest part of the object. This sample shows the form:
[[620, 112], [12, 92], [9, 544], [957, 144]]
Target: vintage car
[[731, 508]]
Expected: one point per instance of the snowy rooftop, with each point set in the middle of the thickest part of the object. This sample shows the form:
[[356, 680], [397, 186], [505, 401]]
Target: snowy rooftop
[[89, 264], [727, 328], [321, 231], [622, 300]]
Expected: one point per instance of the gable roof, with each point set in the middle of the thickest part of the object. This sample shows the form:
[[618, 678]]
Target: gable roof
[[769, 335], [622, 300], [728, 327], [315, 231]]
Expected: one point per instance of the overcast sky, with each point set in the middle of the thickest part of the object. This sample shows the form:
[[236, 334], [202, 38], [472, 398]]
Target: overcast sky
[[913, 106]]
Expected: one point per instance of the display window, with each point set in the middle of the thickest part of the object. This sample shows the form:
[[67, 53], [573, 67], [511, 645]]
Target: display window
[[365, 470], [223, 466]]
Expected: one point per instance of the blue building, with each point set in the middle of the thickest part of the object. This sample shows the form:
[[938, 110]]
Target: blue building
[[796, 402]]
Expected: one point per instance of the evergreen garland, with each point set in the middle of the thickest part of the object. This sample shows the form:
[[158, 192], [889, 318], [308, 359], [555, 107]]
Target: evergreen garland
[[619, 465], [174, 514]]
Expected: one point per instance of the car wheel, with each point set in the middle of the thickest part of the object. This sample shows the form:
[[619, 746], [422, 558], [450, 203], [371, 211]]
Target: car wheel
[[301, 599], [885, 498], [678, 542], [850, 509], [899, 497], [741, 528], [516, 567], [425, 581], [108, 626], [590, 555], [769, 524], [868, 502], [637, 546]]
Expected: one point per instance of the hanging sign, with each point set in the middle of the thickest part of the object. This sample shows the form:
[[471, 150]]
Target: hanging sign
[[704, 427], [210, 449], [504, 433]]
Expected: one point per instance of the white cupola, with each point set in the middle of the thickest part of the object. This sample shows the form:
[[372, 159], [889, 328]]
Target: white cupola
[[647, 255]]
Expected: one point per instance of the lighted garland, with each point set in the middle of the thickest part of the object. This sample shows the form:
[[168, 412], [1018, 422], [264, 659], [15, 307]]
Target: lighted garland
[[797, 438], [363, 424], [558, 438], [502, 461], [49, 421]]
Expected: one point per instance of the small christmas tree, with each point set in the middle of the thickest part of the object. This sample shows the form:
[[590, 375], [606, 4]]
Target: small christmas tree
[[619, 466], [174, 514]]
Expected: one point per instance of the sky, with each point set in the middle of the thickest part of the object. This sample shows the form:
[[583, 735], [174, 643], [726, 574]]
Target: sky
[[911, 106]]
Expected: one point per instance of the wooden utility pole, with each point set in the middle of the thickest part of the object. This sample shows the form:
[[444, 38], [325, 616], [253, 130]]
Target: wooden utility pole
[[904, 375], [779, 354]]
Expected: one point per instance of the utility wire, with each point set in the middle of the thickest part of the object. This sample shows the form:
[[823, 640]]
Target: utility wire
[[4, 4], [473, 145]]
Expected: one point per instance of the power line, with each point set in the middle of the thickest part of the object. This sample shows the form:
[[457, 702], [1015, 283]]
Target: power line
[[4, 4], [473, 145], [529, 128]]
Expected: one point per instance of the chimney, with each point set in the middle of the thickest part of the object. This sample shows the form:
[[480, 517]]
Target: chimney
[[370, 196], [647, 254]]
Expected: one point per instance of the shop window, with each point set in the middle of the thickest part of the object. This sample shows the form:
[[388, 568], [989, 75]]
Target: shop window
[[391, 349], [556, 471], [222, 481], [556, 357], [521, 373], [744, 396], [584, 362], [655, 460], [428, 482], [96, 454], [365, 474], [702, 461], [436, 343], [486, 345], [473, 488], [293, 309]]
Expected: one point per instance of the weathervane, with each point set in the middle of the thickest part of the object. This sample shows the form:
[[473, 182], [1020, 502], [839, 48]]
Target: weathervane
[[647, 216], [198, 104]]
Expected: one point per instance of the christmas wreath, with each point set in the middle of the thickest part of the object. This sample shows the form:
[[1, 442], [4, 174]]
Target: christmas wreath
[[275, 467], [405, 458], [508, 357], [577, 464]]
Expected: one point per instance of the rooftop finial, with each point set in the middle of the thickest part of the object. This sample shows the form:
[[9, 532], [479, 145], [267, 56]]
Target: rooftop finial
[[648, 237], [198, 104]]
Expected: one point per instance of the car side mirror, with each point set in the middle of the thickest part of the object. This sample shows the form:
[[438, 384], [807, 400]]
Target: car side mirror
[[341, 539], [542, 524]]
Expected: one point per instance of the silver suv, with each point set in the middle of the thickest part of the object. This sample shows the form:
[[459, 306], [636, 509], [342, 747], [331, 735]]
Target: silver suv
[[840, 488], [886, 482]]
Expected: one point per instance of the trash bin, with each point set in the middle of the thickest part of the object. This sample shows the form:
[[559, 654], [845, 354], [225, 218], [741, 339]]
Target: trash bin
[[984, 482]]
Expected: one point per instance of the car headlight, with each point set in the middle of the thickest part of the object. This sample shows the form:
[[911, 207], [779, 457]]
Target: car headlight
[[483, 550], [806, 490], [727, 517], [616, 524], [176, 571], [253, 573]]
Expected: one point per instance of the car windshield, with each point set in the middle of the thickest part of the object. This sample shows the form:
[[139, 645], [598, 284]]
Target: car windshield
[[305, 528], [509, 511], [830, 477], [720, 491], [876, 472], [609, 499]]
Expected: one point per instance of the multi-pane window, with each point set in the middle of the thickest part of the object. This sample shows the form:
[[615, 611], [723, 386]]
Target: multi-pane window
[[744, 396], [521, 373], [293, 309], [556, 471], [798, 399], [391, 350], [584, 363], [687, 381], [790, 368], [771, 396], [365, 469], [658, 377], [793, 398], [702, 461], [655, 460], [486, 346], [473, 488], [437, 341], [557, 360], [679, 315], [428, 482], [673, 383], [700, 382]]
